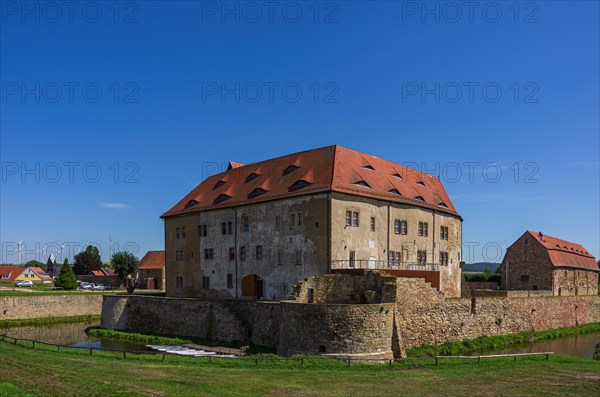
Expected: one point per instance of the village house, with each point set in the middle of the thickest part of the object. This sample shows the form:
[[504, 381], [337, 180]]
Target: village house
[[540, 262], [151, 270], [35, 274], [254, 231], [10, 272]]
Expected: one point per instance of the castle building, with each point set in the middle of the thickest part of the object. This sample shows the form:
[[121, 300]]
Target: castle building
[[540, 262], [254, 231]]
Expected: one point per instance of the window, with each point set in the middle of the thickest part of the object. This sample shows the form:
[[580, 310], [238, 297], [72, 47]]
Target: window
[[395, 257], [421, 183], [284, 289], [289, 169], [209, 253], [221, 198], [183, 232], [444, 258], [179, 255], [231, 253], [348, 218], [202, 230], [362, 184], [443, 232], [352, 258], [243, 253], [245, 223], [299, 185], [298, 257], [295, 218], [229, 280], [355, 219], [223, 228], [256, 192], [372, 223], [191, 203], [229, 227], [422, 257], [205, 282], [280, 257], [178, 281], [423, 229], [177, 234], [252, 176], [277, 222], [218, 185], [400, 226], [259, 252], [369, 167]]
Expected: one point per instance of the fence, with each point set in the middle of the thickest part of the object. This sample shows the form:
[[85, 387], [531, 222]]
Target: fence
[[256, 360], [375, 264]]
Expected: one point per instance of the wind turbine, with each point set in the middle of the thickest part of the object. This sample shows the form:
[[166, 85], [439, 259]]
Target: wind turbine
[[20, 251]]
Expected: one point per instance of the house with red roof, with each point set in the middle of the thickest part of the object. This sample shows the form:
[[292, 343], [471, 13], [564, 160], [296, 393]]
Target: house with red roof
[[540, 262], [254, 230], [10, 273], [151, 270]]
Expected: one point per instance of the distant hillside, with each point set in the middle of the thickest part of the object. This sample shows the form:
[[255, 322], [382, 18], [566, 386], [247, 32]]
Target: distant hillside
[[479, 267]]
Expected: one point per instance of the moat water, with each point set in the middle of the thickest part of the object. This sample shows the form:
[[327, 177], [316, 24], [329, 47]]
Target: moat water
[[578, 345], [72, 334]]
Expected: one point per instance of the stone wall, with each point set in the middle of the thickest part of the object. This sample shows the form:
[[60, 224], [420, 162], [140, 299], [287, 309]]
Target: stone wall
[[171, 316], [36, 306], [360, 331], [425, 317]]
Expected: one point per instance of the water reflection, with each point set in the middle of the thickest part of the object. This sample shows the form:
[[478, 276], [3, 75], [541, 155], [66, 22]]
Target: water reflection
[[70, 335], [578, 345]]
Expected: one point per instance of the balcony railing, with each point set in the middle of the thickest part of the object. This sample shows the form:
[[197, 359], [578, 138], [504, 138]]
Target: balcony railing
[[383, 265]]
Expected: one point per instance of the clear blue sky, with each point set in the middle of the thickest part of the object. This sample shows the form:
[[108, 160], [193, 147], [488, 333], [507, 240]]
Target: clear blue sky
[[461, 92]]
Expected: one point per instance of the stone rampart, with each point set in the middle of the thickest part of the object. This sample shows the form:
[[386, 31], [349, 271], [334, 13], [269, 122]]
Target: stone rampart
[[36, 306]]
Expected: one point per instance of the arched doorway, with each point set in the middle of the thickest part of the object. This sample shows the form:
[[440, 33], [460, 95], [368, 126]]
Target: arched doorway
[[252, 286]]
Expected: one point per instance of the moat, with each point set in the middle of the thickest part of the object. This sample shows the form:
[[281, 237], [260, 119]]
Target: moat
[[74, 335]]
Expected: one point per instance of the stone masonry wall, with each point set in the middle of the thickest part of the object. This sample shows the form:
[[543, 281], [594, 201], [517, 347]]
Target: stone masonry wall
[[349, 330], [425, 317], [36, 306]]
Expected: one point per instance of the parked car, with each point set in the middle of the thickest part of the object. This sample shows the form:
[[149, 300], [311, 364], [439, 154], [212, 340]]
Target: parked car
[[24, 283], [85, 285], [102, 287]]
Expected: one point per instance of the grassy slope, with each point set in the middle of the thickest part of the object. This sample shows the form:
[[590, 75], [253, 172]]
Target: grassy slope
[[75, 374]]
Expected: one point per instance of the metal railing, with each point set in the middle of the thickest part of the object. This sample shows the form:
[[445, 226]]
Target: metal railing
[[374, 264]]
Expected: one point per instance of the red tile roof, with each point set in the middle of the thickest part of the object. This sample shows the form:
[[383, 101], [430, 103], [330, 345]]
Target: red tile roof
[[331, 168], [153, 260], [98, 273], [565, 253], [12, 272], [41, 273]]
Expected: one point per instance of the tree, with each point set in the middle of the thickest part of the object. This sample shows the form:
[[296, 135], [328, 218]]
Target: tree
[[34, 263], [66, 277], [87, 260], [125, 264]]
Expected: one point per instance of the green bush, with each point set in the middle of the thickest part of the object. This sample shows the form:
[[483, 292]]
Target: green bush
[[66, 278]]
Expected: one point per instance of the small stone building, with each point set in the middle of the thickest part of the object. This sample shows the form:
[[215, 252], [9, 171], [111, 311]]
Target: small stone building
[[539, 262], [152, 270]]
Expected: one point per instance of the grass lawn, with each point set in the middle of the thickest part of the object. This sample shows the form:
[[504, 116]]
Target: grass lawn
[[43, 372]]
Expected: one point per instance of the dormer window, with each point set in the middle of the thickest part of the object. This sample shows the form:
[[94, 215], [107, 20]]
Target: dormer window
[[252, 176], [369, 167], [394, 191], [218, 184], [191, 203], [362, 184], [221, 198], [420, 198], [442, 204], [256, 192], [299, 185], [289, 169], [421, 183], [397, 176]]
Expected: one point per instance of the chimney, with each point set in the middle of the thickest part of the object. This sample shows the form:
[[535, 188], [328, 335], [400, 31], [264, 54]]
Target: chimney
[[541, 236]]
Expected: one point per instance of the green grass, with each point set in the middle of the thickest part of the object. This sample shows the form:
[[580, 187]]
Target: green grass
[[8, 389], [49, 320], [494, 342], [49, 292], [45, 372]]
